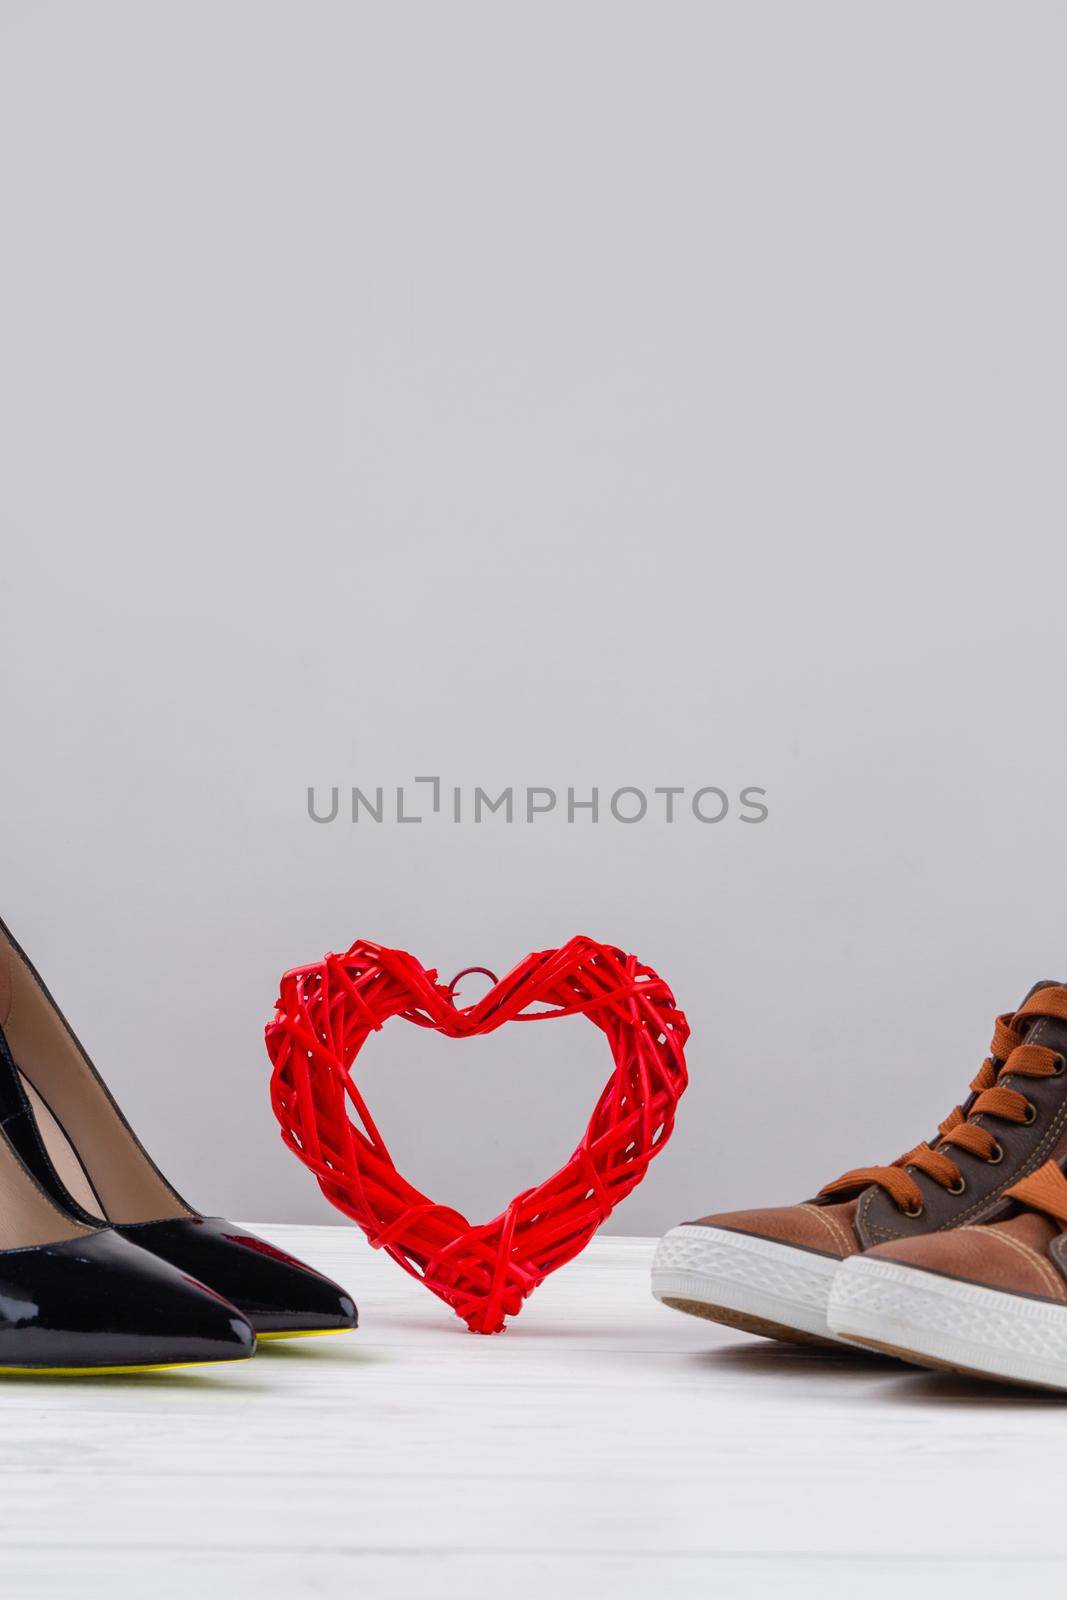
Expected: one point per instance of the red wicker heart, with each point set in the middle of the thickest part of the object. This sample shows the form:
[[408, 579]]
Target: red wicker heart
[[324, 1015]]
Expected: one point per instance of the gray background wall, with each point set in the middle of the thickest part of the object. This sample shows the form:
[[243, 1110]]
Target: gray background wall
[[548, 394]]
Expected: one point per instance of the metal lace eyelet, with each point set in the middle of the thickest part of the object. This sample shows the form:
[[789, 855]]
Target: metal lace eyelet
[[1059, 1067], [1031, 1114], [916, 1212], [996, 1156], [959, 1185]]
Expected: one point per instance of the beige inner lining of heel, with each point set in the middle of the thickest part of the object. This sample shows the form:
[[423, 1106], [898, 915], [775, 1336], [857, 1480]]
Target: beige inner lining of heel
[[27, 1215], [97, 1156], [63, 1155]]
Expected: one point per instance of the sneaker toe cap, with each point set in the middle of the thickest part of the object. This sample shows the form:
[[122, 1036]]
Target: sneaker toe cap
[[826, 1229], [987, 1256]]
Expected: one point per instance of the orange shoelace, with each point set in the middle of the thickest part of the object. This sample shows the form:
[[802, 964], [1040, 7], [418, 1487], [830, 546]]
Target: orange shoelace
[[989, 1098], [1044, 1190]]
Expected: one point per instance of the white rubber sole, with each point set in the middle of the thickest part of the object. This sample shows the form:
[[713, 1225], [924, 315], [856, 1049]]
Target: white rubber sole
[[754, 1284], [942, 1322]]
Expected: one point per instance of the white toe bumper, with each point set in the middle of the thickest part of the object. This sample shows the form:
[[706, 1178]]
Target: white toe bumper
[[946, 1320], [740, 1272]]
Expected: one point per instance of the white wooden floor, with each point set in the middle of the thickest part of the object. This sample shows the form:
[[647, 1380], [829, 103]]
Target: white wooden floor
[[602, 1445]]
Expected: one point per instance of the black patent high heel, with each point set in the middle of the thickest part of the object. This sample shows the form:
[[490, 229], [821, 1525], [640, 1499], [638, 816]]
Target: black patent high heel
[[72, 1136], [78, 1298]]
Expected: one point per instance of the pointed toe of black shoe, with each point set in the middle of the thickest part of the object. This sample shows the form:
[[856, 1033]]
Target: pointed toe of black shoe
[[97, 1303], [281, 1296]]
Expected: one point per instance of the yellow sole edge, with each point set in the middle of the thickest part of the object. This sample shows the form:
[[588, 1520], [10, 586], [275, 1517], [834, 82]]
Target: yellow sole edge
[[111, 1372], [301, 1333]]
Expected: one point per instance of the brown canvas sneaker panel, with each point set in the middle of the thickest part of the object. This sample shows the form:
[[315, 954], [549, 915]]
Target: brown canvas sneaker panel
[[828, 1229], [770, 1270]]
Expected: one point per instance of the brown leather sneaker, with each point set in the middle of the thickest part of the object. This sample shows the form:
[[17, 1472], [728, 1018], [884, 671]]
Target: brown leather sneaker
[[989, 1300], [770, 1271]]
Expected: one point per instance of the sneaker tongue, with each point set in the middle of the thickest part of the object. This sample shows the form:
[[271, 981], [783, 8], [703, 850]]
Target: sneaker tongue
[[1043, 983], [1051, 1033], [1048, 1031]]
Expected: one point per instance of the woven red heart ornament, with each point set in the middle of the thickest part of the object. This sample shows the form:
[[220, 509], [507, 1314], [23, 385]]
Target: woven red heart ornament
[[484, 1272]]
